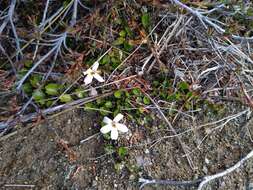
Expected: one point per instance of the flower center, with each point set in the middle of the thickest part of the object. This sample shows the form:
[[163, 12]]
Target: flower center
[[114, 124], [91, 72]]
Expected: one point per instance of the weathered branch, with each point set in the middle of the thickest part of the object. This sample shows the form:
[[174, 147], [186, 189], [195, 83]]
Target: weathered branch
[[202, 182], [207, 20]]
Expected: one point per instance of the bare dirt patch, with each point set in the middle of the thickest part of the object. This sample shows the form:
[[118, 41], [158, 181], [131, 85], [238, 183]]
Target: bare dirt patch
[[50, 156]]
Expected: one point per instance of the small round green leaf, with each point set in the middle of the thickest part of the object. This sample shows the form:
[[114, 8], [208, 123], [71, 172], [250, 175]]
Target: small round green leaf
[[65, 98], [118, 94], [122, 152], [145, 20], [79, 93], [52, 89], [27, 87], [108, 104], [136, 91], [119, 41], [146, 100], [35, 81], [105, 60], [28, 63], [38, 95], [122, 33]]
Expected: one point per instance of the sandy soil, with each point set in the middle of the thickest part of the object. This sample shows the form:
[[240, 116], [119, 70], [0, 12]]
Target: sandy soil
[[50, 156]]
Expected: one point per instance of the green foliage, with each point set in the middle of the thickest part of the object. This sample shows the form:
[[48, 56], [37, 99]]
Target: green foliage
[[106, 59], [27, 87], [118, 94], [22, 73], [35, 80], [28, 63], [156, 83], [89, 106], [39, 96], [108, 104], [120, 100], [79, 93], [123, 33], [183, 86], [103, 111], [53, 89], [129, 31], [136, 91], [122, 152], [112, 59], [182, 96], [127, 46], [145, 20], [65, 98], [66, 3], [90, 61], [119, 41], [49, 103], [109, 149], [249, 12], [123, 39], [146, 100]]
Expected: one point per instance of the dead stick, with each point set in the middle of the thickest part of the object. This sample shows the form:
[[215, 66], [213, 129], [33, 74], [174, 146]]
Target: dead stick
[[31, 116]]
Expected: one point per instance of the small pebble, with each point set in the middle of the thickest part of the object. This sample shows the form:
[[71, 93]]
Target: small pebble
[[147, 151], [205, 170], [207, 161]]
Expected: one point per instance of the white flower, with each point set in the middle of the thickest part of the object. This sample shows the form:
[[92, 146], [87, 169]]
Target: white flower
[[92, 73], [114, 126]]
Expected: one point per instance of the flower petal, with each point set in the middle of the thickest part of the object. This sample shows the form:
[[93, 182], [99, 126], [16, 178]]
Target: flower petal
[[121, 127], [95, 66], [107, 120], [85, 73], [98, 77], [118, 117], [114, 134], [106, 129], [88, 79]]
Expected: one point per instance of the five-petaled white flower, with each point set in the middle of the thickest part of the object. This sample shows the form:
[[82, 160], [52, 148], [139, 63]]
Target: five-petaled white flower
[[114, 126], [92, 73]]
